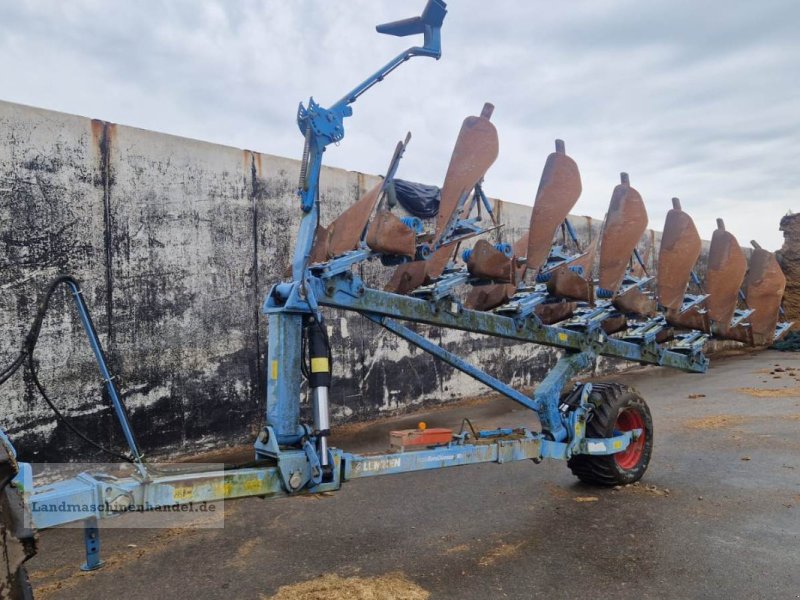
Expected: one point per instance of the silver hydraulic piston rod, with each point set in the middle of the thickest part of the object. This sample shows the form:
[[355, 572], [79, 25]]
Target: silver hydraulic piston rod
[[319, 379], [322, 422]]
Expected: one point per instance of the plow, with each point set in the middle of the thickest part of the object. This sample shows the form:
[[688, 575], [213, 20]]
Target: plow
[[448, 264]]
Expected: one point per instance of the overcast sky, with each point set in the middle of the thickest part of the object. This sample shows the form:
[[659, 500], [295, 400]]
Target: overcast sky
[[699, 100]]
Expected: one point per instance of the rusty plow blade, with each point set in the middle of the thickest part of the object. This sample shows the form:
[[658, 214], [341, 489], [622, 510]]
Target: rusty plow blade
[[319, 251], [347, 230], [559, 190], [388, 234], [408, 277], [680, 249], [624, 226], [726, 269], [763, 290], [487, 261], [635, 301], [555, 312], [574, 280], [489, 296], [475, 151], [695, 317]]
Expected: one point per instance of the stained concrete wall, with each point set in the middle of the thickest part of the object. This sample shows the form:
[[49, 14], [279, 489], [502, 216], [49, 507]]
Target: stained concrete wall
[[176, 242]]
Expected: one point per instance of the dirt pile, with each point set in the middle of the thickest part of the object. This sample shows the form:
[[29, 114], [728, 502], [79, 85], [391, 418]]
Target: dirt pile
[[789, 259]]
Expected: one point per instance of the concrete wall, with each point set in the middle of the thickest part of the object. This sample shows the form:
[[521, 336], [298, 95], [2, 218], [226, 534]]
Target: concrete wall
[[176, 243]]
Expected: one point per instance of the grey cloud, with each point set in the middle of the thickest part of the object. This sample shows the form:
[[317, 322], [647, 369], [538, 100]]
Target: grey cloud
[[694, 99]]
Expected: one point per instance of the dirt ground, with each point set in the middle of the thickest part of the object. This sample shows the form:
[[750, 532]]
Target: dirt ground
[[716, 516]]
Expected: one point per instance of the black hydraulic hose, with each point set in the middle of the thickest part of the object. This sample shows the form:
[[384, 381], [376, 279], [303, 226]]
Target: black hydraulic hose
[[33, 333], [60, 416], [26, 352], [12, 368]]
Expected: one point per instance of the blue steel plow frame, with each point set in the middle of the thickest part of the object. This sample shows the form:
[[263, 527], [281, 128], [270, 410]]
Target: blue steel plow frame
[[293, 457]]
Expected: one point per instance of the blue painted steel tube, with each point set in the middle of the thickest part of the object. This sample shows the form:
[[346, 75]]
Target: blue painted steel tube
[[437, 458], [548, 393], [94, 342], [283, 375], [352, 294], [308, 224], [453, 360]]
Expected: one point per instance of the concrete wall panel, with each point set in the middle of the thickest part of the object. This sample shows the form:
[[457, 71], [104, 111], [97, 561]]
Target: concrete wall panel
[[52, 216]]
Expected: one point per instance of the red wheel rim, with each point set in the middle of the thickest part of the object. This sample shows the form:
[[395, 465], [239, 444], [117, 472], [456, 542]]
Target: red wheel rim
[[626, 421]]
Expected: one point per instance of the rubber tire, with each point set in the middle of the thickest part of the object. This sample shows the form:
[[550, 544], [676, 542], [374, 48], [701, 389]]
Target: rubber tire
[[611, 399]]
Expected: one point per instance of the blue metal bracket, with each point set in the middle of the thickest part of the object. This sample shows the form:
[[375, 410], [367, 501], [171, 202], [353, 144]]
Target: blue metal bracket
[[523, 306], [91, 540], [443, 287], [547, 394]]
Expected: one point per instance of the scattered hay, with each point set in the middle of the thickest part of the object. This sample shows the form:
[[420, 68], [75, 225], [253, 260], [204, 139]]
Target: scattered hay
[[457, 549], [715, 422], [239, 560], [586, 498], [114, 562], [788, 392], [500, 552], [695, 396], [647, 488], [392, 586]]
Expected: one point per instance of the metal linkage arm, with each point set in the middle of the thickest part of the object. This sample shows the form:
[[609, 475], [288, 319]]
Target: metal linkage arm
[[429, 23], [451, 359], [324, 126], [94, 342]]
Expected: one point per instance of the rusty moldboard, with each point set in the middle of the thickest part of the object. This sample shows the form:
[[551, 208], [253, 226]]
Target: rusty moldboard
[[564, 282], [724, 275], [388, 234], [487, 297], [559, 190], [554, 312], [614, 324], [476, 149], [409, 276], [319, 251], [347, 229], [487, 262], [763, 289], [625, 223], [679, 251], [693, 318], [738, 333], [635, 301]]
